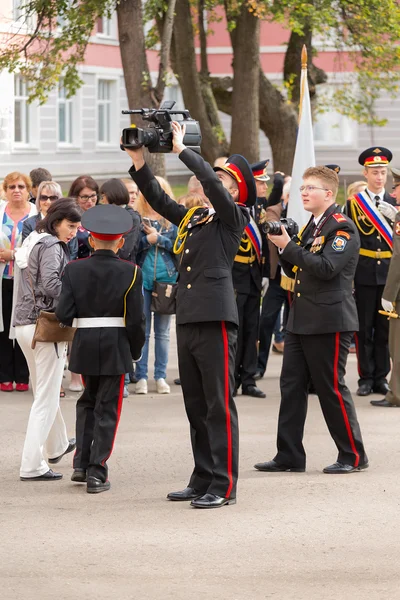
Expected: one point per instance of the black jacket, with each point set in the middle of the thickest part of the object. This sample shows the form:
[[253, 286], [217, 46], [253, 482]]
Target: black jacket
[[100, 286], [372, 271], [323, 301], [132, 238], [205, 288]]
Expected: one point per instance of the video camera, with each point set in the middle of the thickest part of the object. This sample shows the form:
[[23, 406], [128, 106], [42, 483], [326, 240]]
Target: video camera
[[274, 227], [158, 137]]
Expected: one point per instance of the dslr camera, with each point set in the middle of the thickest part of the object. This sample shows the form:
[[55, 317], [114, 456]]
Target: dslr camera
[[157, 137], [274, 227]]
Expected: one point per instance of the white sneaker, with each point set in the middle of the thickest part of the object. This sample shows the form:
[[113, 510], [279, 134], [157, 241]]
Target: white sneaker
[[141, 386], [75, 387], [162, 386], [126, 391]]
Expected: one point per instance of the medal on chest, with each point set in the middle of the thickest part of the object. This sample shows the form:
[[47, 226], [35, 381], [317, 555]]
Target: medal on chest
[[317, 244]]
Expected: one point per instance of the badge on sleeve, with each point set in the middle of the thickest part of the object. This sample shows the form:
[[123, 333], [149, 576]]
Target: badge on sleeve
[[339, 244], [397, 229]]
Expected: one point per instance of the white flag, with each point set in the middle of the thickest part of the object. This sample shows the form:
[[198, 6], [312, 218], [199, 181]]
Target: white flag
[[304, 156]]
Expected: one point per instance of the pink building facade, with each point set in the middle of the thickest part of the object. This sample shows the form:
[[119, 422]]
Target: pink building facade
[[81, 134]]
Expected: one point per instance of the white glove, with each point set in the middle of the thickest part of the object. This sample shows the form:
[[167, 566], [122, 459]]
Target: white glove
[[387, 305], [264, 284], [387, 210]]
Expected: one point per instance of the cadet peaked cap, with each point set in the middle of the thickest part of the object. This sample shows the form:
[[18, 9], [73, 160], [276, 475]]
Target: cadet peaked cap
[[107, 221], [335, 168], [260, 170], [396, 174], [377, 156], [239, 169]]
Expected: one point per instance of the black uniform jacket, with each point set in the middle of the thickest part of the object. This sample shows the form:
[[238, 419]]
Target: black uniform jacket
[[205, 288], [326, 259], [247, 274], [102, 286], [372, 271]]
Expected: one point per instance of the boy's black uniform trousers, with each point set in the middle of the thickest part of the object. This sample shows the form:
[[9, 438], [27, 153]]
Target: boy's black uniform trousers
[[207, 321], [321, 320], [101, 286], [369, 282]]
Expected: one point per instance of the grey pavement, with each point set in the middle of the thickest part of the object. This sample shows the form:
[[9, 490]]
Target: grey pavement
[[290, 536]]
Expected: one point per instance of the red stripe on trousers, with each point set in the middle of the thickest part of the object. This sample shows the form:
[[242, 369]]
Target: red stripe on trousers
[[227, 413], [119, 409], [358, 360], [340, 397]]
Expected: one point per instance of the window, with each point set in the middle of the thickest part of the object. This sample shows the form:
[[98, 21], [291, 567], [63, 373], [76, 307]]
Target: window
[[332, 128], [104, 93], [65, 116], [106, 27], [21, 111], [20, 16]]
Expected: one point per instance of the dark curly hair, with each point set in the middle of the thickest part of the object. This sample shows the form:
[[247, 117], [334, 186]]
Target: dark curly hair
[[64, 208]]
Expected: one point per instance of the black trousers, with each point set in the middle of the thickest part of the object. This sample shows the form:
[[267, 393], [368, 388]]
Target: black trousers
[[206, 353], [13, 366], [97, 416], [372, 340], [246, 355], [271, 306], [323, 357]]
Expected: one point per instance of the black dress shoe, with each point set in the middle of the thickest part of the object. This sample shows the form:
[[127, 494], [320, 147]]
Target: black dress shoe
[[71, 447], [258, 375], [253, 391], [273, 467], [211, 501], [384, 403], [339, 468], [133, 378], [177, 381], [48, 476], [79, 476], [95, 485], [186, 494], [381, 388], [364, 390]]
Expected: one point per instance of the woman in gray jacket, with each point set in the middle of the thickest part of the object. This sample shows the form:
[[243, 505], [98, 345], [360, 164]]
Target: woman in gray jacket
[[42, 259]]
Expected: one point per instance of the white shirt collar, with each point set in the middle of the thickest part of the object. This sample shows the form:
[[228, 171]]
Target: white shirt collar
[[317, 219], [372, 195]]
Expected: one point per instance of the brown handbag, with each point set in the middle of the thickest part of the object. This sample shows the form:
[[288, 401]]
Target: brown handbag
[[48, 327], [163, 296]]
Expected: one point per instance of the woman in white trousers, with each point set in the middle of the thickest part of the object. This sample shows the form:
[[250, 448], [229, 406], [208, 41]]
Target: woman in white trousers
[[42, 260]]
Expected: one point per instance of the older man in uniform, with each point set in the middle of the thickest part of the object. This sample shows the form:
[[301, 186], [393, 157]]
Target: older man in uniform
[[247, 279], [206, 312], [367, 210], [391, 304], [103, 296], [322, 319]]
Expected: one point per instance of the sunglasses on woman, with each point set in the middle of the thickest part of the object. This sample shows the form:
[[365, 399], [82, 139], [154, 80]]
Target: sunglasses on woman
[[43, 197], [20, 187]]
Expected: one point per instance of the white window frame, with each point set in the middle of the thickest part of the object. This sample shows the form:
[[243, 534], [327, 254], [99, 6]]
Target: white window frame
[[109, 28], [347, 126], [31, 141], [18, 16], [114, 111], [74, 106]]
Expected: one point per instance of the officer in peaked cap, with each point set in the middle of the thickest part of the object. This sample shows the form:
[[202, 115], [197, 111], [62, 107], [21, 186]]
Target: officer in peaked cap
[[206, 312], [102, 296], [247, 282], [372, 212]]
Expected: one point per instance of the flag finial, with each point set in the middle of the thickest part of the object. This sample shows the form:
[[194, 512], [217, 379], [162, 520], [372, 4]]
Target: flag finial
[[304, 57]]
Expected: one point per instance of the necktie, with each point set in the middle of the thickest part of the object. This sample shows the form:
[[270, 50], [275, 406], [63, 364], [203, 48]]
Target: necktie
[[377, 199]]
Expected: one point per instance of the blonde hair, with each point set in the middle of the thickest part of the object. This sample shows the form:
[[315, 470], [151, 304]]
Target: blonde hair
[[144, 208], [355, 187], [326, 176], [191, 200], [54, 188], [17, 175]]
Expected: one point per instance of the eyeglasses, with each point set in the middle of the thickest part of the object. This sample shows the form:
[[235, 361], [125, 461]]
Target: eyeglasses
[[311, 188], [92, 198], [13, 186], [44, 198]]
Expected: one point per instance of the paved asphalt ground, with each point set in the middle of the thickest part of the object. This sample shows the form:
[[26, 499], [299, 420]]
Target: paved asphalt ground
[[290, 536]]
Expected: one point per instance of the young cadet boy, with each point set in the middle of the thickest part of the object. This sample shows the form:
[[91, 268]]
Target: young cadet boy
[[102, 297]]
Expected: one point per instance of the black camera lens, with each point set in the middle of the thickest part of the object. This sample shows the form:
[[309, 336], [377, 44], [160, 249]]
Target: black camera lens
[[273, 227]]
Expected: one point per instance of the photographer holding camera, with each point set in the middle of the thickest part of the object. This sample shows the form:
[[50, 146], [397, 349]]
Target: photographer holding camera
[[206, 312], [322, 259]]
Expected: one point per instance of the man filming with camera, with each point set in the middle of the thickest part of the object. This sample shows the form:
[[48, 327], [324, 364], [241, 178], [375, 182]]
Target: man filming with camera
[[322, 260], [206, 313]]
